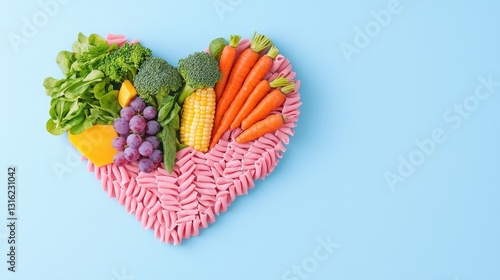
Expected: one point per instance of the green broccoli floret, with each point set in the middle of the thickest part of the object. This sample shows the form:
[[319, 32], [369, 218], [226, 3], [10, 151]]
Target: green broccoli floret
[[199, 69], [155, 79], [122, 64]]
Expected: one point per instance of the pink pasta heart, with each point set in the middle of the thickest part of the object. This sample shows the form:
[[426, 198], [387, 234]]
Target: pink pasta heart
[[203, 185]]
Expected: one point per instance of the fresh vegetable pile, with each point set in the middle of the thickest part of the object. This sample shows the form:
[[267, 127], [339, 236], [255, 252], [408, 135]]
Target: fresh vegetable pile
[[157, 109]]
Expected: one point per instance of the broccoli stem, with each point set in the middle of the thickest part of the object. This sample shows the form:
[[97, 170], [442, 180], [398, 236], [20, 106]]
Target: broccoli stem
[[186, 91]]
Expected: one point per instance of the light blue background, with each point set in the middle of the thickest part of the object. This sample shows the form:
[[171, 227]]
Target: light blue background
[[358, 118]]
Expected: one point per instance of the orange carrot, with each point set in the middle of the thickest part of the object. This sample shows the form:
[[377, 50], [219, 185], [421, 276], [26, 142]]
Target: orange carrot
[[270, 124], [259, 70], [239, 72], [256, 96], [268, 104], [226, 63]]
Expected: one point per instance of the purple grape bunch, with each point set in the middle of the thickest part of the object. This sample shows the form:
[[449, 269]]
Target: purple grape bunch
[[137, 142]]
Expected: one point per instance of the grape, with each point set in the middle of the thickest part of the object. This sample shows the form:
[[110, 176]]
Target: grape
[[146, 165], [137, 124], [134, 141], [127, 113], [131, 154], [119, 143], [137, 104], [154, 141], [145, 149], [149, 113], [121, 126], [119, 159], [156, 156], [152, 127]]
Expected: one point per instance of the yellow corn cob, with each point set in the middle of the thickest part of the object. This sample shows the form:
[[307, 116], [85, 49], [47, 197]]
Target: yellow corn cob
[[197, 119]]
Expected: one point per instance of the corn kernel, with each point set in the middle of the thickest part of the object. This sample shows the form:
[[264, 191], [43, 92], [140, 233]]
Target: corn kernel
[[197, 119]]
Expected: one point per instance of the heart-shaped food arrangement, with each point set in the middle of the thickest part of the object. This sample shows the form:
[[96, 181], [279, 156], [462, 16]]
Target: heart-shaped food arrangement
[[175, 144]]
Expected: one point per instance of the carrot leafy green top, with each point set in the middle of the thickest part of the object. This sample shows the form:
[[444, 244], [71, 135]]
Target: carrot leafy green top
[[260, 42]]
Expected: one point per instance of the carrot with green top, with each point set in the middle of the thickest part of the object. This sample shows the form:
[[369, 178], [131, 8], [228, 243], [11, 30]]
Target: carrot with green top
[[239, 72], [270, 124], [226, 64], [259, 70], [268, 104], [256, 96]]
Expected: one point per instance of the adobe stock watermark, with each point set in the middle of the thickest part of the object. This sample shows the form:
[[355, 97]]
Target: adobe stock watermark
[[87, 144], [225, 6], [373, 28], [71, 161], [122, 275], [31, 25], [453, 117], [321, 253]]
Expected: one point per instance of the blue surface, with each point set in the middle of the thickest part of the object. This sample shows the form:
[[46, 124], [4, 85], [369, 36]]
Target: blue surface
[[361, 113]]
